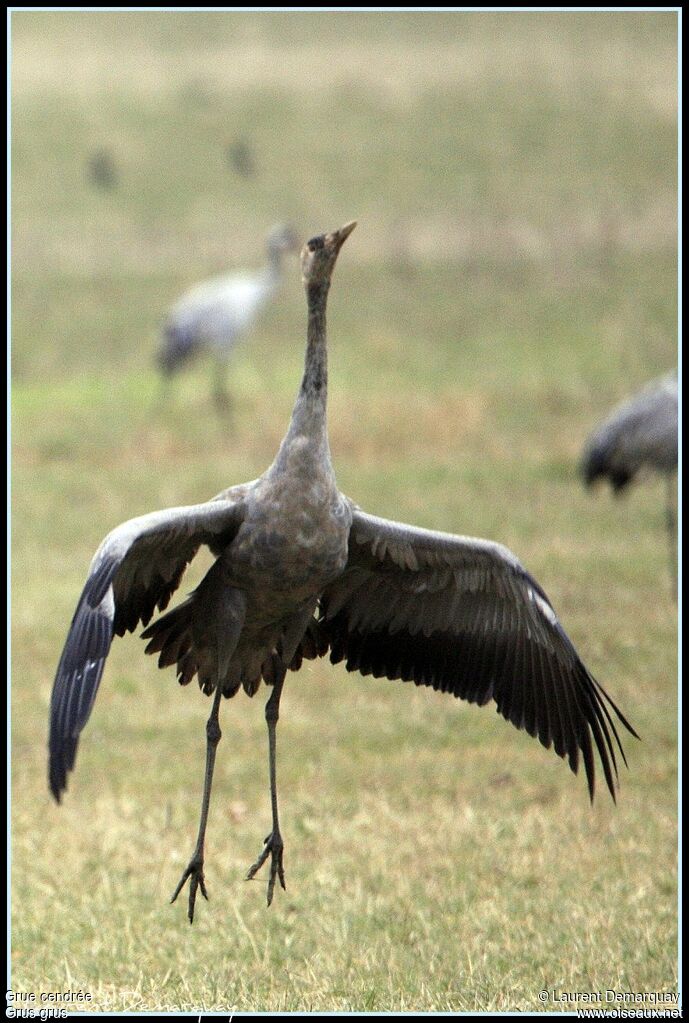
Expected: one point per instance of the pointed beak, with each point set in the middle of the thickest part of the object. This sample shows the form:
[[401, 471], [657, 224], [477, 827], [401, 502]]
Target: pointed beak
[[340, 237]]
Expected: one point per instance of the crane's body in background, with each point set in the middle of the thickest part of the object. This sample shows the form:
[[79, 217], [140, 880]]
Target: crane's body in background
[[212, 317], [301, 571], [640, 435]]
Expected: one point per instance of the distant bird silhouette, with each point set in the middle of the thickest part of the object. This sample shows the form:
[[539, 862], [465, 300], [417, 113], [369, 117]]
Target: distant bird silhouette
[[240, 158], [301, 571], [640, 434], [102, 170], [213, 316]]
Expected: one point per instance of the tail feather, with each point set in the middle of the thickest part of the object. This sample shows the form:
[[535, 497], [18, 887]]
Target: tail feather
[[599, 463], [179, 345], [170, 636], [314, 644]]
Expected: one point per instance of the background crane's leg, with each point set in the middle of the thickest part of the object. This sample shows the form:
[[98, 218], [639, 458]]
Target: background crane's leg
[[164, 392], [273, 844], [195, 868], [221, 395], [671, 519]]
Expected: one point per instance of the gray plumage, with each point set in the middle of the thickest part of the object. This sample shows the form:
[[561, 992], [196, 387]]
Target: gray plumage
[[639, 435], [213, 316], [301, 572]]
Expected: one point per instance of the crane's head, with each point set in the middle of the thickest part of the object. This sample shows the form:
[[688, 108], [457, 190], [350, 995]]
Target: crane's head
[[319, 255], [282, 238]]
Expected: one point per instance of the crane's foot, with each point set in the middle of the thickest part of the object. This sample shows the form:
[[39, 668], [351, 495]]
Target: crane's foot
[[272, 847], [195, 872]]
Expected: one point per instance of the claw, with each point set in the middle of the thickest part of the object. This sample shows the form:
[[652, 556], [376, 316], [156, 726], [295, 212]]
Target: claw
[[194, 871], [272, 847]]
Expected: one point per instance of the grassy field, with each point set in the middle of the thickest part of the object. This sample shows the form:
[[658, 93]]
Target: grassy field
[[512, 276]]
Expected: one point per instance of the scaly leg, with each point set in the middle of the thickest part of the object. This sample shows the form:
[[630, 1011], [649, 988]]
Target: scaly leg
[[195, 868], [273, 845]]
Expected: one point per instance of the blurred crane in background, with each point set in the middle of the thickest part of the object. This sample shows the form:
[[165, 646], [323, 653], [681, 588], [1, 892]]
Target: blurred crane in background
[[640, 434], [240, 158], [213, 316], [101, 169]]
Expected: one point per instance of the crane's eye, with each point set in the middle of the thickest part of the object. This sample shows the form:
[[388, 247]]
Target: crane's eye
[[315, 243]]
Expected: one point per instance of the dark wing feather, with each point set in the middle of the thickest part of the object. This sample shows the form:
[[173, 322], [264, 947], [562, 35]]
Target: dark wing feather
[[136, 569], [463, 616]]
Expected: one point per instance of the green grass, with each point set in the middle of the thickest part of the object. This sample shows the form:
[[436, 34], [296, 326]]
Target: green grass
[[513, 275]]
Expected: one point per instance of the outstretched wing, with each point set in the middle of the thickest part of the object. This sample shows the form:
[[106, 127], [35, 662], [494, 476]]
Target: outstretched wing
[[137, 568], [463, 616]]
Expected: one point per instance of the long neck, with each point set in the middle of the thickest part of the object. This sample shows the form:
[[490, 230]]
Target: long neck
[[307, 436], [314, 384]]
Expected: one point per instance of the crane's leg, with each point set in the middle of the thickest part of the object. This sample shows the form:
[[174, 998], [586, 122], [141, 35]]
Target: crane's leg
[[671, 520], [165, 392], [273, 845], [194, 869], [221, 395]]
